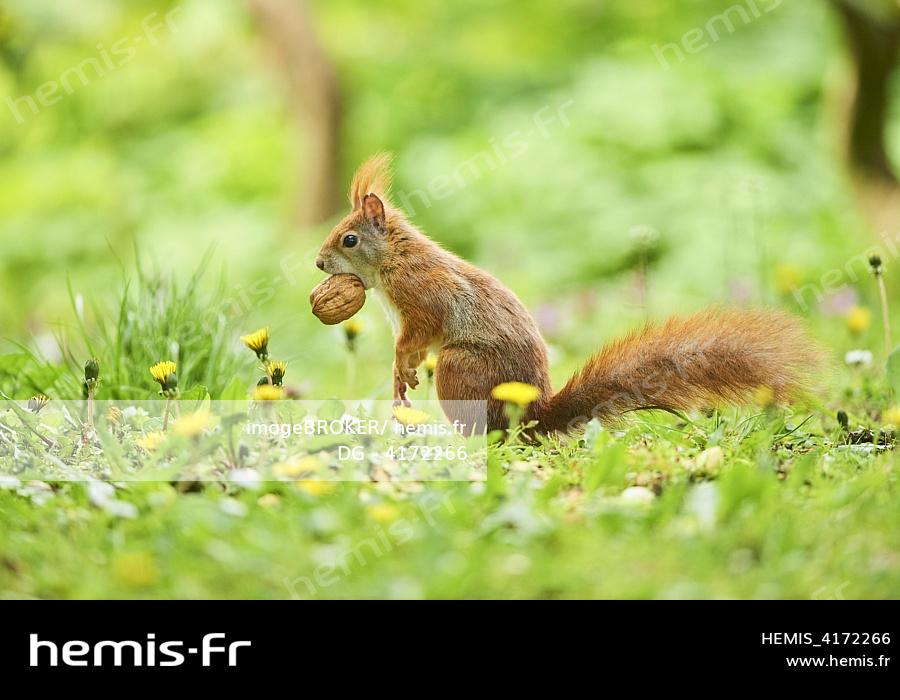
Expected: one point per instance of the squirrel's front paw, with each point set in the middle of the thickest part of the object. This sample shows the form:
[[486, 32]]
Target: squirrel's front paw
[[400, 392], [410, 377]]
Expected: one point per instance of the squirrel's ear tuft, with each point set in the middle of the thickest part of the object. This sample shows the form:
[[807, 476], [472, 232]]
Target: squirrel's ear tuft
[[374, 210], [373, 176]]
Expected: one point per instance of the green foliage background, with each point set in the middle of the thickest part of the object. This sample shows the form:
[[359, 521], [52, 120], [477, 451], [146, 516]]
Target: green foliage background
[[729, 157], [189, 144]]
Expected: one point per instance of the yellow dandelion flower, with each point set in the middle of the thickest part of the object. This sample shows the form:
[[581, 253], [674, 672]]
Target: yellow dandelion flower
[[859, 319], [258, 342], [787, 278], [295, 467], [352, 328], [267, 392], [410, 416], [516, 392], [150, 441], [193, 424], [276, 370], [287, 469], [892, 416], [162, 370], [268, 500], [764, 396], [135, 569], [430, 363], [383, 513], [165, 373], [316, 488]]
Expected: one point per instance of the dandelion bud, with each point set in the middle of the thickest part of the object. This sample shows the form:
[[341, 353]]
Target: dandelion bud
[[276, 370], [843, 420], [91, 370], [91, 378], [36, 403], [875, 264], [352, 329], [171, 382]]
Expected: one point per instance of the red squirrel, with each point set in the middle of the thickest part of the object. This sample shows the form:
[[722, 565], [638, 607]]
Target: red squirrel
[[484, 336]]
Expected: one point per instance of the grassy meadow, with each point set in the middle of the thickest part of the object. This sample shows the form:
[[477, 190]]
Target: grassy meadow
[[150, 215]]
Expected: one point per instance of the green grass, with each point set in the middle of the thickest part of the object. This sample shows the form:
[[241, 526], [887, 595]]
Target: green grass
[[743, 503], [721, 160], [548, 523]]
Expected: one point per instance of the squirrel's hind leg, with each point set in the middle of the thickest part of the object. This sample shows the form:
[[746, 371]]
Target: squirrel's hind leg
[[464, 381]]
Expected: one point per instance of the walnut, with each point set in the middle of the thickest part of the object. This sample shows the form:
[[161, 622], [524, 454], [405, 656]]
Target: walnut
[[337, 298]]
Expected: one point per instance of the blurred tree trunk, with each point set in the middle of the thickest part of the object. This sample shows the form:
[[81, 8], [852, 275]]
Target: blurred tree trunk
[[314, 99], [872, 30]]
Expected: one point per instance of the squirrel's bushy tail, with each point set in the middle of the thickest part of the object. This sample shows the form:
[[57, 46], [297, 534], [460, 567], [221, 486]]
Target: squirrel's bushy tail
[[685, 363]]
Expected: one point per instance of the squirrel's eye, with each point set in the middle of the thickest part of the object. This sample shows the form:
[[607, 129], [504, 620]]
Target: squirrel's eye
[[350, 240]]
